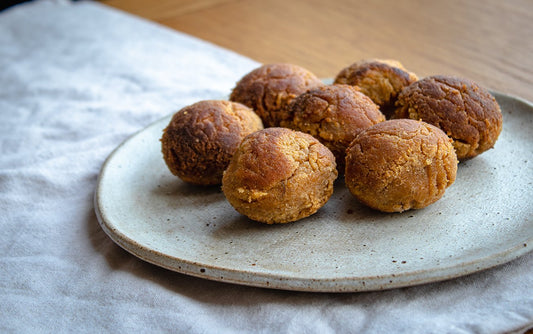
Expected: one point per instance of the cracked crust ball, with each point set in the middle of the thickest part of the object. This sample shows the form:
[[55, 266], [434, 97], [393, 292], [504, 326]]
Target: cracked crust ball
[[200, 139], [279, 175], [399, 165], [269, 88], [334, 115], [381, 80], [466, 112]]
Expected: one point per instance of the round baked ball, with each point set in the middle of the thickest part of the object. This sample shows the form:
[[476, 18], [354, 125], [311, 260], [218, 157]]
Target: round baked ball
[[278, 175], [200, 139], [381, 80], [466, 112], [399, 165], [333, 114], [269, 88]]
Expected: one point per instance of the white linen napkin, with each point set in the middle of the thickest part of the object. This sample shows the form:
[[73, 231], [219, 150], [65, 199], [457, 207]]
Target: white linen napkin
[[76, 79]]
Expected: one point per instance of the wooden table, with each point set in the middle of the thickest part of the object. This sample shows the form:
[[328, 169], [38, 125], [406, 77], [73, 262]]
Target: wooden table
[[489, 41]]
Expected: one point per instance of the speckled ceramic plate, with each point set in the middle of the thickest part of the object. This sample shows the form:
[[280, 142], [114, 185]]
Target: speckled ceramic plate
[[484, 219]]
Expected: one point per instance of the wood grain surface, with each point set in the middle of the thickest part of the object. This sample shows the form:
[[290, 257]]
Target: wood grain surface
[[488, 41]]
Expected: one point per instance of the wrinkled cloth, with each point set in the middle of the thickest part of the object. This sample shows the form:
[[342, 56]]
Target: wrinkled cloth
[[76, 79]]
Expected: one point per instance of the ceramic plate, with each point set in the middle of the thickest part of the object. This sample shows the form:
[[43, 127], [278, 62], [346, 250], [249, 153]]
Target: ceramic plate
[[483, 220]]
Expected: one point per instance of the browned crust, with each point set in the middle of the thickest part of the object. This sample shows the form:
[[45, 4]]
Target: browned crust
[[466, 112], [333, 114], [269, 88], [279, 175], [200, 139], [381, 80], [399, 165]]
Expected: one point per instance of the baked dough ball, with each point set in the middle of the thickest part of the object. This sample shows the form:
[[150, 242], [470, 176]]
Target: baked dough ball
[[270, 87], [200, 139], [466, 112], [381, 80], [279, 175], [399, 165], [334, 115]]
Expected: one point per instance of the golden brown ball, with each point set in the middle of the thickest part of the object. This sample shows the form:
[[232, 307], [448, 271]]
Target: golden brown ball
[[381, 80], [333, 114], [399, 165], [269, 88], [466, 112], [279, 175], [200, 139]]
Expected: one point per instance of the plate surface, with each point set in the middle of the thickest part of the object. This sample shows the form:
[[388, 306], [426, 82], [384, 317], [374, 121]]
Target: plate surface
[[484, 219]]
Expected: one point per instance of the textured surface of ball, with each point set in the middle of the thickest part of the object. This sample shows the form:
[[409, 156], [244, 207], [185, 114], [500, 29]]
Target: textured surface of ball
[[279, 175], [399, 165], [381, 80], [269, 88], [200, 139], [466, 112]]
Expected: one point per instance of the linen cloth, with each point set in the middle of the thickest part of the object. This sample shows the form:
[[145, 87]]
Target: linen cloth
[[76, 79]]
